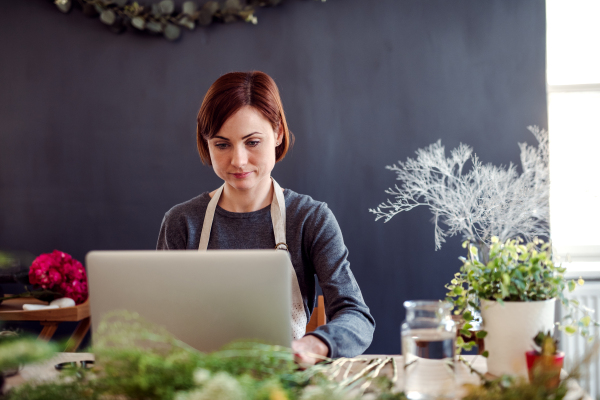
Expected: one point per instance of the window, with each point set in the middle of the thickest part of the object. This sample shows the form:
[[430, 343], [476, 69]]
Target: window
[[573, 77]]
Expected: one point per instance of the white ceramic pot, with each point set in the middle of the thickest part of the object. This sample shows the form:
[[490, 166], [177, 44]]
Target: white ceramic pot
[[511, 329]]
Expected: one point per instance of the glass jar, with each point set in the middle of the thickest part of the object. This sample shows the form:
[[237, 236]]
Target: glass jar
[[428, 347]]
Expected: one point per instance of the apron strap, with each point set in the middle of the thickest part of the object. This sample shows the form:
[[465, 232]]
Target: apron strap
[[278, 216], [208, 219]]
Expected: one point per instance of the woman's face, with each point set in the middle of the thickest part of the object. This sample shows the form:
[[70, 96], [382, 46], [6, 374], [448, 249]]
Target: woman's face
[[243, 151]]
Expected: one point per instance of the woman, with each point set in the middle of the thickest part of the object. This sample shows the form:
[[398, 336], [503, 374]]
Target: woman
[[242, 133]]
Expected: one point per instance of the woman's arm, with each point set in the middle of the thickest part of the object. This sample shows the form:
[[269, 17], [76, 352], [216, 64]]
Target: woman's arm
[[350, 326]]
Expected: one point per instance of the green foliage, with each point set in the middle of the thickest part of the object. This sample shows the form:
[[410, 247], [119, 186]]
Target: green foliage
[[514, 272], [163, 18], [52, 391], [259, 360], [16, 351], [511, 388], [137, 373]]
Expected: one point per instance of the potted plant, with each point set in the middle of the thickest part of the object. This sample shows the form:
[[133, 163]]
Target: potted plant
[[477, 202], [545, 362], [517, 288]]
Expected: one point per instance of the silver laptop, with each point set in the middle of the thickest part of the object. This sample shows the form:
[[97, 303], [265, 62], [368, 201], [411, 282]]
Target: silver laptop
[[206, 299]]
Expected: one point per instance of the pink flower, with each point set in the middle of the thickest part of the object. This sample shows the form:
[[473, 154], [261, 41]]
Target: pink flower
[[59, 272]]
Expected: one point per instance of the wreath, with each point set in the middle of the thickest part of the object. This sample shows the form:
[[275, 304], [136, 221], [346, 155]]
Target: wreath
[[163, 18]]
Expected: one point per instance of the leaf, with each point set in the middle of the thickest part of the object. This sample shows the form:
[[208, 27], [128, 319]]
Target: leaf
[[172, 32], [154, 27], [139, 23], [63, 5], [189, 7], [481, 334], [572, 285], [460, 341], [570, 329], [469, 345], [466, 332], [167, 7], [506, 279], [486, 354], [586, 321], [108, 17], [467, 326], [188, 23]]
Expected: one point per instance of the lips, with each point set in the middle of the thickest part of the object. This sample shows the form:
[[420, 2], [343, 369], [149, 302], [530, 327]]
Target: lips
[[242, 175]]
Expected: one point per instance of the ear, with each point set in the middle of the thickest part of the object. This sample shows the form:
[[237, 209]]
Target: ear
[[279, 134]]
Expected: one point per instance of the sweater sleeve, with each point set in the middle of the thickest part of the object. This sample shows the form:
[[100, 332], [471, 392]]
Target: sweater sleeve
[[350, 326], [173, 232]]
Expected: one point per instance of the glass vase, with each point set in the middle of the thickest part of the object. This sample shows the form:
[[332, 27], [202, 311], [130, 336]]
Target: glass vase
[[428, 347]]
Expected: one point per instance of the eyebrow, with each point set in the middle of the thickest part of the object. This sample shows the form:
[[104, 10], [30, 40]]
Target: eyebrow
[[248, 135]]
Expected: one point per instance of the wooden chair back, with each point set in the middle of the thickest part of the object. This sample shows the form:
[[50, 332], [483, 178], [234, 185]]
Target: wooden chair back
[[318, 316]]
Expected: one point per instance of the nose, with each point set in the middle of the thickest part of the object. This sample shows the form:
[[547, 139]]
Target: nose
[[240, 157]]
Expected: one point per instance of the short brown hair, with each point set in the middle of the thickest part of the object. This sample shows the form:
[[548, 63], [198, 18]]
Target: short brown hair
[[233, 91]]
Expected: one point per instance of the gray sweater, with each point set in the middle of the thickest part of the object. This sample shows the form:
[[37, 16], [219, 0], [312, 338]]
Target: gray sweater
[[316, 247]]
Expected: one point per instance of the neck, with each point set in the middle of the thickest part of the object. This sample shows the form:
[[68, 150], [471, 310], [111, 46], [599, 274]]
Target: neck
[[241, 201]]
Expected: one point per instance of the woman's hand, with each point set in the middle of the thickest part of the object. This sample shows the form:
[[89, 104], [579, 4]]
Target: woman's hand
[[307, 351]]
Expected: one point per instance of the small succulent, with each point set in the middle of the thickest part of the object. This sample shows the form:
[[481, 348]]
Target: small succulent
[[546, 345]]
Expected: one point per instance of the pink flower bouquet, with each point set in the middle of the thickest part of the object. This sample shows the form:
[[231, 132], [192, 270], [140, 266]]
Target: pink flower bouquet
[[55, 275], [60, 273]]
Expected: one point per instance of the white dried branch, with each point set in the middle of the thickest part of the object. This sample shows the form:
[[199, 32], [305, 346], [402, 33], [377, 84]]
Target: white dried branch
[[486, 201]]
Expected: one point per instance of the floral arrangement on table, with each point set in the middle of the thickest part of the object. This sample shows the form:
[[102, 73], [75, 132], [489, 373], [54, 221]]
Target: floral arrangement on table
[[137, 360], [55, 275]]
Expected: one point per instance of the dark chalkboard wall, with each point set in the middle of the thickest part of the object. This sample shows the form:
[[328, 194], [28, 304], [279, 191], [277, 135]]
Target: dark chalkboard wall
[[97, 130]]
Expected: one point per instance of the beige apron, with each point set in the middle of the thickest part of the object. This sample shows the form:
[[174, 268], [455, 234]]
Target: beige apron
[[278, 219]]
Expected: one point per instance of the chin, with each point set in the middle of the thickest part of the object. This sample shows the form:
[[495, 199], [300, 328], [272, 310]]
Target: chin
[[242, 184]]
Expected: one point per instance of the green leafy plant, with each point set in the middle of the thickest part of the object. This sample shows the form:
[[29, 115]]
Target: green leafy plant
[[163, 18], [514, 272]]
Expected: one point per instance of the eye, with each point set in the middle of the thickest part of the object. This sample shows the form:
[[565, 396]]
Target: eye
[[221, 146], [253, 143]]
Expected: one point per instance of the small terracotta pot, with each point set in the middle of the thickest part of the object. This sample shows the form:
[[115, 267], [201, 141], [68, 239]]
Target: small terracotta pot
[[547, 367]]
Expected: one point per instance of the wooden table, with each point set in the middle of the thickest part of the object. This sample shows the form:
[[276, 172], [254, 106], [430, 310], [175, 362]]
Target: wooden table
[[12, 310], [46, 371]]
